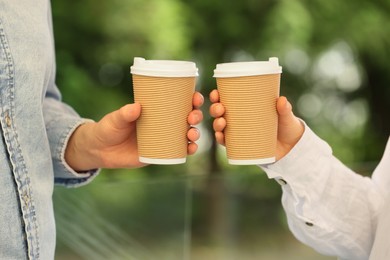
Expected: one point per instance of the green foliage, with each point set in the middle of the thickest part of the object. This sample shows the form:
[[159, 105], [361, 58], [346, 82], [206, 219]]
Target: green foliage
[[335, 57]]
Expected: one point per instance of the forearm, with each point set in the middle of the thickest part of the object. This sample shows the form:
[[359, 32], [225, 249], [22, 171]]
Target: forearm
[[328, 206]]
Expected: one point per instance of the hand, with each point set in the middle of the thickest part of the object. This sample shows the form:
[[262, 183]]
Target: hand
[[290, 128], [112, 142]]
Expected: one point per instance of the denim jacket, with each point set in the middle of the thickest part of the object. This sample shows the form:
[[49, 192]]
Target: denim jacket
[[35, 128]]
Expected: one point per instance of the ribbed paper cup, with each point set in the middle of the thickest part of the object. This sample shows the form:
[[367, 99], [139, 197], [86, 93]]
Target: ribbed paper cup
[[249, 91], [165, 90]]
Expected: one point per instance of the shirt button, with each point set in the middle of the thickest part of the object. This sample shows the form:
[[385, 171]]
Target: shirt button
[[281, 181], [7, 119]]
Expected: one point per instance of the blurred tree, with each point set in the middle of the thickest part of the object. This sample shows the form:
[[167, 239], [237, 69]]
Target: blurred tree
[[96, 44], [335, 52], [222, 31], [361, 25], [335, 57]]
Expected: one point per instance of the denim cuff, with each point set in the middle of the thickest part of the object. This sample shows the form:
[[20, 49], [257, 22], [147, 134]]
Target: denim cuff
[[63, 174]]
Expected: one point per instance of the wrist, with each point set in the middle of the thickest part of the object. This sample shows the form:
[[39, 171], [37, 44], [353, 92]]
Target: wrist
[[298, 130], [80, 154], [289, 137]]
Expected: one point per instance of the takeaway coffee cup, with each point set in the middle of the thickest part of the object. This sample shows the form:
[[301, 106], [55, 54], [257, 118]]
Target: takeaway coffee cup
[[164, 88], [249, 91]]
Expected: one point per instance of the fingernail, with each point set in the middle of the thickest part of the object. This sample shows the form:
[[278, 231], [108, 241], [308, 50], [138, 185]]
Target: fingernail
[[218, 109], [196, 118], [288, 105]]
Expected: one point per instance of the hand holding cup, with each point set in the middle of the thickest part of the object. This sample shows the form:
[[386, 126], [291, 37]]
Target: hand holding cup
[[290, 128], [248, 92]]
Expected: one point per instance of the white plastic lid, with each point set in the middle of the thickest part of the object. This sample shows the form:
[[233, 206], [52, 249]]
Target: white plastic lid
[[164, 68], [250, 68]]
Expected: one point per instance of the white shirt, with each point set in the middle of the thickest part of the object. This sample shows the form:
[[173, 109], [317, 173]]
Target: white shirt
[[331, 208]]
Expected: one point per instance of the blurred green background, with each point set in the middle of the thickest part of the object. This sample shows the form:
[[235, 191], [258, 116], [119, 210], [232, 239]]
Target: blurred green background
[[336, 63]]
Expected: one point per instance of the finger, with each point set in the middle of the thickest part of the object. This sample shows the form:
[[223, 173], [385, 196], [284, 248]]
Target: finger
[[219, 124], [122, 117], [193, 134], [214, 96], [217, 110], [220, 137], [192, 148], [197, 100], [195, 117]]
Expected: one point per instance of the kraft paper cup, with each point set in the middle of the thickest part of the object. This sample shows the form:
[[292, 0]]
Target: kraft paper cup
[[249, 91], [164, 89]]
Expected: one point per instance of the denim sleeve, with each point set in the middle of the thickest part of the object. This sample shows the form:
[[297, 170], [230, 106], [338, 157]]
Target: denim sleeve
[[61, 120]]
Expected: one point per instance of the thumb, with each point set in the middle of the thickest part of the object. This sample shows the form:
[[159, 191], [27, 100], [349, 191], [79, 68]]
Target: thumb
[[286, 116], [290, 127], [127, 114]]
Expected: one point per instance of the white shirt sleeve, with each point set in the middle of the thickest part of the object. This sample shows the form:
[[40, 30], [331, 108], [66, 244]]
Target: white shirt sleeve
[[329, 207]]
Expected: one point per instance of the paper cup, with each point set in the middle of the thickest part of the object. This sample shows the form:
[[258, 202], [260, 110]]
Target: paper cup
[[249, 91], [164, 89]]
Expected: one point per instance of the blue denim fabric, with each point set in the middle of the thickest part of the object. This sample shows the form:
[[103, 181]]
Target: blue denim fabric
[[35, 128]]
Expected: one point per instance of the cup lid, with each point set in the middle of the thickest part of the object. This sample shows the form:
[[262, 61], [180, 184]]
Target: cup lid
[[164, 68], [250, 68]]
